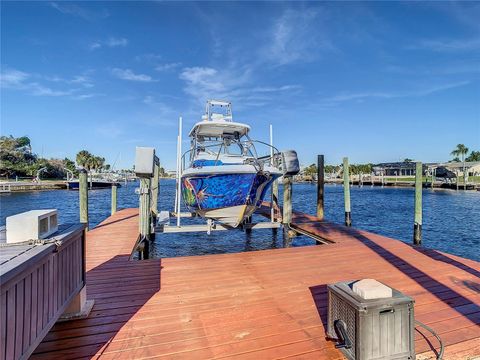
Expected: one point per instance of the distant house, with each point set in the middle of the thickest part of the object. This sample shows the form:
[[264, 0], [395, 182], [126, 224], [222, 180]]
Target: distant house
[[472, 167], [449, 169], [396, 169]]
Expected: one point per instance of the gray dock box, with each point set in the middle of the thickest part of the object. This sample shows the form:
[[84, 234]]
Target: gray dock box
[[378, 328]]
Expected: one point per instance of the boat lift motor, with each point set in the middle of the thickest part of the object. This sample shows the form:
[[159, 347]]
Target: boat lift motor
[[290, 165], [370, 320]]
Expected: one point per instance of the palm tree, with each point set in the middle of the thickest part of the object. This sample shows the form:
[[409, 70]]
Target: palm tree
[[474, 156], [82, 158], [461, 150]]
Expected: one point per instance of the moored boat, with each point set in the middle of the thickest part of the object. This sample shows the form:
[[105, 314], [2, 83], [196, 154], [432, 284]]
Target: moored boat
[[94, 184], [225, 179]]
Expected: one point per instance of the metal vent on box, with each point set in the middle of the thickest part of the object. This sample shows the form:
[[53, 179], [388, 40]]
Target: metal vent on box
[[380, 328]]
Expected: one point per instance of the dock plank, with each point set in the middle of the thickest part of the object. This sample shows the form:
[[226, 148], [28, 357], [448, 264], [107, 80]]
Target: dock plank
[[257, 305]]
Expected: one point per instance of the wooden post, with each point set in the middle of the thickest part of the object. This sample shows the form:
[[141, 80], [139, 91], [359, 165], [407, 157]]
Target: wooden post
[[114, 199], [145, 217], [433, 176], [346, 192], [417, 226], [155, 188], [275, 199], [287, 200], [83, 195], [456, 178], [320, 186]]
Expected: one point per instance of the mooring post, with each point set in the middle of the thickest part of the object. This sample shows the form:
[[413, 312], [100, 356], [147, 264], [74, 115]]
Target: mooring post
[[287, 200], [114, 199], [417, 226], [320, 186], [275, 200], [155, 188], [346, 192], [145, 218], [433, 176], [288, 233], [83, 196]]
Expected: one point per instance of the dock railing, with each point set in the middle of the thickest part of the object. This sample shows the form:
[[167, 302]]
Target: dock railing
[[37, 286]]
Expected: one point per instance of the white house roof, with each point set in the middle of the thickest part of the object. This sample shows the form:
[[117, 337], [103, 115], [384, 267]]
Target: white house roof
[[219, 128]]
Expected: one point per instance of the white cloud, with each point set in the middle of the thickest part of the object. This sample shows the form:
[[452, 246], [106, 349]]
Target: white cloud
[[294, 37], [95, 45], [72, 9], [167, 66], [111, 42], [272, 89], [13, 78], [32, 83], [127, 74], [345, 97], [233, 84], [114, 42], [448, 45], [82, 80], [87, 96]]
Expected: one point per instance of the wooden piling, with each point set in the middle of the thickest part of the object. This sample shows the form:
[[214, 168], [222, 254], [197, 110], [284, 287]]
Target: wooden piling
[[114, 199], [346, 192], [433, 176], [320, 186], [83, 196], [275, 199], [155, 189], [417, 226], [145, 214], [287, 200]]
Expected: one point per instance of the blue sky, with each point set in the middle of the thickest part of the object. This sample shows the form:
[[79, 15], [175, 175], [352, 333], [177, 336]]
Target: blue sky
[[373, 81]]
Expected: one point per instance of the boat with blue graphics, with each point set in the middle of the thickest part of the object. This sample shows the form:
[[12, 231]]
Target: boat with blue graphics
[[226, 180]]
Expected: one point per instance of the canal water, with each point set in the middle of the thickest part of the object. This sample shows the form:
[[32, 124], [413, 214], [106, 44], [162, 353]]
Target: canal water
[[450, 218]]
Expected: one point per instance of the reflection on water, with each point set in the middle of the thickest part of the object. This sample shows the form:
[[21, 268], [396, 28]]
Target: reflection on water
[[450, 218]]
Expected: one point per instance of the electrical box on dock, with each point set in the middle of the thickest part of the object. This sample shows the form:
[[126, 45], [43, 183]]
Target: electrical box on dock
[[369, 320], [31, 225], [144, 161]]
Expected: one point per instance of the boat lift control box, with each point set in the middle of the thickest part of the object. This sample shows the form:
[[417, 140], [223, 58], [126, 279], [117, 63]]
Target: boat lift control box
[[144, 161], [373, 328], [31, 225]]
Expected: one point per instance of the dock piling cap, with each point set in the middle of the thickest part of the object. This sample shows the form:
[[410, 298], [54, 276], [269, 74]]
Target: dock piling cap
[[371, 289]]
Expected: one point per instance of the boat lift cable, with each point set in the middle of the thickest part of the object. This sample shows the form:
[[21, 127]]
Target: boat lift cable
[[428, 328]]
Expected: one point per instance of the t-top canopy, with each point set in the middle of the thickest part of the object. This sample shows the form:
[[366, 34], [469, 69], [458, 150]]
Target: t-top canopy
[[219, 128]]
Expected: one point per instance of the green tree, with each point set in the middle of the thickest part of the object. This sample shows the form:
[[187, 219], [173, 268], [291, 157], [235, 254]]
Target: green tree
[[474, 156], [461, 150], [407, 160], [83, 158], [16, 158], [311, 170]]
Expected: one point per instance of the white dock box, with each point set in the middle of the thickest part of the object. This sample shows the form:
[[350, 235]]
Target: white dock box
[[144, 161], [31, 225]]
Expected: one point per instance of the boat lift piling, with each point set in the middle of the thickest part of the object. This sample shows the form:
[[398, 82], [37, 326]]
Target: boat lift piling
[[83, 196], [346, 192], [320, 186]]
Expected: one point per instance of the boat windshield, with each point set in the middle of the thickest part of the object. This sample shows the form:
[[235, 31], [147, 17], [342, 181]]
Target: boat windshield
[[215, 146]]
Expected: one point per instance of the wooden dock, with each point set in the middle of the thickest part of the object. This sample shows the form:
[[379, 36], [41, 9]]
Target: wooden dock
[[256, 305]]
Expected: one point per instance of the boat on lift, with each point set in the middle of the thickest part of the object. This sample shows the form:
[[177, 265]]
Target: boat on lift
[[225, 179]]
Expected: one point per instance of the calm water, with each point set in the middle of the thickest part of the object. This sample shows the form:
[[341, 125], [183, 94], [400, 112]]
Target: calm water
[[450, 219]]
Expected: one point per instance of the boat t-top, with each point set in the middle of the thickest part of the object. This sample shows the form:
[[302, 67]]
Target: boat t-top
[[225, 179]]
